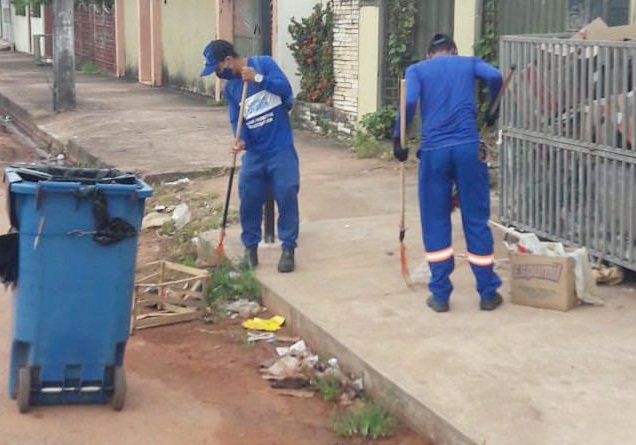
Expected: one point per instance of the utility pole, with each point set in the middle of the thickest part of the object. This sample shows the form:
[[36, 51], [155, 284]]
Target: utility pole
[[63, 56]]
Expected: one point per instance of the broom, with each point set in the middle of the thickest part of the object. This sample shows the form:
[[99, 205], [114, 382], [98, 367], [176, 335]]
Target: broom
[[219, 250], [405, 267]]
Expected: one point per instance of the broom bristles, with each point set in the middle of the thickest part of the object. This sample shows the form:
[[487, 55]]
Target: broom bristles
[[219, 250], [405, 267]]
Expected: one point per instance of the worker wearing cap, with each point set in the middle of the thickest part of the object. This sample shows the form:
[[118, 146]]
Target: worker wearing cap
[[270, 158], [444, 84]]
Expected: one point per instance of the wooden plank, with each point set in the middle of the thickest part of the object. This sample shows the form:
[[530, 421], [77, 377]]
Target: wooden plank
[[141, 280], [186, 269], [169, 283], [165, 320], [173, 301]]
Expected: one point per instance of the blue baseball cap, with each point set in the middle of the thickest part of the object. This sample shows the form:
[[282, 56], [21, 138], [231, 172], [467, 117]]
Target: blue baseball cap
[[210, 62]]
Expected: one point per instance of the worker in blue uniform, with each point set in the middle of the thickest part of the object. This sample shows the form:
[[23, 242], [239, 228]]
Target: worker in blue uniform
[[270, 158], [444, 85]]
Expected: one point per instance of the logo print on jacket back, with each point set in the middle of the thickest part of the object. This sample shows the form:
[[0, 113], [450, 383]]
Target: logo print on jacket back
[[259, 109]]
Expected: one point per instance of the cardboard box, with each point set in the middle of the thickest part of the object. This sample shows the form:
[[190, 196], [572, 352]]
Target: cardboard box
[[543, 281], [598, 30]]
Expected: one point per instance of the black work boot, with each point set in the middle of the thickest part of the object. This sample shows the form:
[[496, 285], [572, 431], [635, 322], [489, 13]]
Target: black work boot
[[437, 306], [491, 304], [286, 262], [250, 259]]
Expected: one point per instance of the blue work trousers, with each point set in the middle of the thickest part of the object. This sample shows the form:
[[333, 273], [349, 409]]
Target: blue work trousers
[[259, 173], [438, 170]]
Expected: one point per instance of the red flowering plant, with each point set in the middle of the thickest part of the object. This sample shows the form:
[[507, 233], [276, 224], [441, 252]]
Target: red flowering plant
[[312, 47]]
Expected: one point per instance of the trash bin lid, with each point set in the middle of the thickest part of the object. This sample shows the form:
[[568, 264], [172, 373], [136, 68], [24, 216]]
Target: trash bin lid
[[86, 176]]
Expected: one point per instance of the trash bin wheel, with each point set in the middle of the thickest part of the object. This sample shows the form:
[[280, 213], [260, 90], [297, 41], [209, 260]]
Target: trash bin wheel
[[119, 388], [24, 390]]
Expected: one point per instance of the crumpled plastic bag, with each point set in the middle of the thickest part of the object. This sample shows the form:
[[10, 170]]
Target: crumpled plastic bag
[[261, 324]]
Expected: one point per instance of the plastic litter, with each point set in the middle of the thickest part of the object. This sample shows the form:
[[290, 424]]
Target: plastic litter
[[260, 324], [182, 181], [181, 215]]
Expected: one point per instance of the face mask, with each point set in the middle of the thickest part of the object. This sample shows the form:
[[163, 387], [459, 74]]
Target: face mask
[[227, 74]]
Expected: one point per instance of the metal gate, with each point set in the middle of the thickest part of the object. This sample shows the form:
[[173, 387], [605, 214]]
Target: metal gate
[[253, 27], [568, 160]]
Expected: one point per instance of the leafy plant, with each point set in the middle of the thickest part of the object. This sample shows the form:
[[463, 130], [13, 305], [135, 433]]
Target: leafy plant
[[375, 128], [402, 15], [379, 124], [312, 48], [366, 419], [487, 48]]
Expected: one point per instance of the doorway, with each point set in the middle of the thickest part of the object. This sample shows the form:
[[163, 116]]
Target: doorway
[[149, 13]]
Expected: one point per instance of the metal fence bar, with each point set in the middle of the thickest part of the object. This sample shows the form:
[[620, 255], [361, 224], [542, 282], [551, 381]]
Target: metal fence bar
[[631, 207]]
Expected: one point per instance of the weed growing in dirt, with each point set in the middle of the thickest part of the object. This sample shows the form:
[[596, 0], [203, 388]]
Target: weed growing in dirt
[[367, 146], [329, 388], [229, 282], [364, 418]]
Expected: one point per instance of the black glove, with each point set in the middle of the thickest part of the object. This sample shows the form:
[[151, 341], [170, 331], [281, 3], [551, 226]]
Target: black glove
[[401, 154], [491, 118]]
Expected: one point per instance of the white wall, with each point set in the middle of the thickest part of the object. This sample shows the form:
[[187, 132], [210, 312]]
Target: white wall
[[21, 30], [286, 10], [5, 21]]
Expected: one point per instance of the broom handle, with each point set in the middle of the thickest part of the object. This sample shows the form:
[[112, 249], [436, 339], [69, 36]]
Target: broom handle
[[503, 88], [237, 138], [403, 145]]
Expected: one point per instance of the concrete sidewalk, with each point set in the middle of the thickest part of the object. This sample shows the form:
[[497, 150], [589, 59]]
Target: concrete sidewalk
[[515, 376]]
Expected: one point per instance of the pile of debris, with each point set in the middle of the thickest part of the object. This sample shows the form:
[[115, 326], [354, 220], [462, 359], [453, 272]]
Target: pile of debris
[[298, 371]]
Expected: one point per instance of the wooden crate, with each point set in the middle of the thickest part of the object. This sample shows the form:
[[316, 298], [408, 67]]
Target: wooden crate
[[179, 294]]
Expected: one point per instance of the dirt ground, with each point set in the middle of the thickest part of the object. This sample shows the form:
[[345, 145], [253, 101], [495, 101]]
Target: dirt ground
[[210, 365]]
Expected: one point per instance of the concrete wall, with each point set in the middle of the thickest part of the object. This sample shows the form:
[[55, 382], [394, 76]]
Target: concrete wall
[[185, 31], [21, 33], [465, 26], [131, 36], [5, 21], [369, 69], [286, 10]]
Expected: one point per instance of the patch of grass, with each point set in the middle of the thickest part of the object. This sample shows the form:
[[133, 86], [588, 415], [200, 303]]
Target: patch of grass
[[229, 282], [89, 67], [189, 261], [169, 227], [329, 388], [365, 419]]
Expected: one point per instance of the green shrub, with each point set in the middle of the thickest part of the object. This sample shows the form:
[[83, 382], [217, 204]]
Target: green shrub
[[380, 124]]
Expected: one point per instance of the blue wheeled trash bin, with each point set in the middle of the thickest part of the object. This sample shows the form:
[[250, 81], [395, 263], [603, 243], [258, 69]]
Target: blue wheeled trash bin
[[72, 297]]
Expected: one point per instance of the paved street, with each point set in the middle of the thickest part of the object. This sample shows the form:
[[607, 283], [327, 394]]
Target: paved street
[[516, 375]]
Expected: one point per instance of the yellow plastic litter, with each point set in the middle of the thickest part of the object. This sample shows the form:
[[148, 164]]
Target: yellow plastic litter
[[261, 324]]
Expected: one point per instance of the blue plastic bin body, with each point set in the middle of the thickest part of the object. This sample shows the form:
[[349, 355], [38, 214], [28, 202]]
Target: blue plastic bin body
[[72, 303]]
